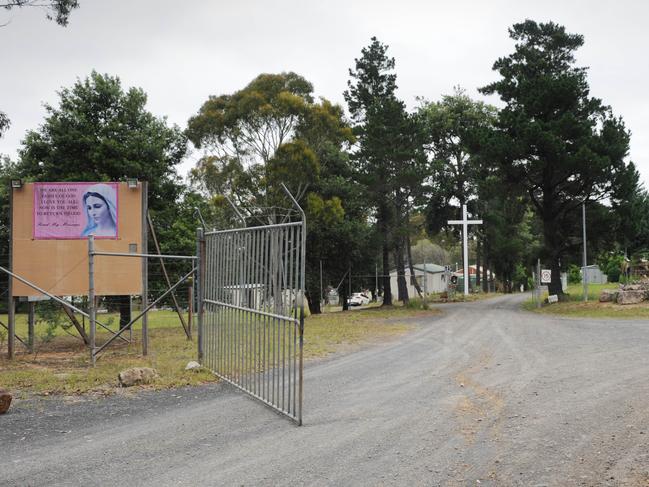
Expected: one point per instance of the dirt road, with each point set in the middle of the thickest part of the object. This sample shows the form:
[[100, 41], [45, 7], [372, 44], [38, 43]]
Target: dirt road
[[484, 395]]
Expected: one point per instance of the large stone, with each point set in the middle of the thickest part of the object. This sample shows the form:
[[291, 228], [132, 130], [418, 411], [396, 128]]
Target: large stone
[[137, 375], [193, 365], [5, 401], [633, 287], [608, 296], [634, 296]]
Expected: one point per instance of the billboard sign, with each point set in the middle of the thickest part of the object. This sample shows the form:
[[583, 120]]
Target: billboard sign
[[72, 211]]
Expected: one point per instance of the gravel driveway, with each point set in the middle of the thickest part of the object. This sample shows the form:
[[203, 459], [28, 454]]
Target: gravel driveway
[[484, 395]]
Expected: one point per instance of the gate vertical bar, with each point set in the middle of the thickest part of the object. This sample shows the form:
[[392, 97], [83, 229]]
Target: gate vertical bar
[[200, 284]]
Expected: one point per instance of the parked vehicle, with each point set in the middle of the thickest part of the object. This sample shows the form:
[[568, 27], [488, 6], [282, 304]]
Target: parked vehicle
[[358, 299]]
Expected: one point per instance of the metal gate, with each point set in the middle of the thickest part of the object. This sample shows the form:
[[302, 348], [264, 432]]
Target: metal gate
[[252, 286]]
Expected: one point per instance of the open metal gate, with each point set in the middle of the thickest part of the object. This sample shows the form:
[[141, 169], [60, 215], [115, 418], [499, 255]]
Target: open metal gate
[[252, 288]]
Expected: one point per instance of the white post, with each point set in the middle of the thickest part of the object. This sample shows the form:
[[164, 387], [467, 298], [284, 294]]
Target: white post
[[465, 251]]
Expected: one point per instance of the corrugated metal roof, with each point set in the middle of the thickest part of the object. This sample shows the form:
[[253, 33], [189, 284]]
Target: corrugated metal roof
[[431, 268]]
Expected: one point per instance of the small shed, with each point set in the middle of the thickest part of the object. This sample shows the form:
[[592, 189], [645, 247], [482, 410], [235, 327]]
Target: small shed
[[433, 274], [593, 274]]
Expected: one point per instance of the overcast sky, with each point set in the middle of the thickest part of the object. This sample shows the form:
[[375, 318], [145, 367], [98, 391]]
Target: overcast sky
[[182, 52]]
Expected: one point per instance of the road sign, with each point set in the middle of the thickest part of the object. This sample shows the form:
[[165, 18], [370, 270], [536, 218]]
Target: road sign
[[546, 276]]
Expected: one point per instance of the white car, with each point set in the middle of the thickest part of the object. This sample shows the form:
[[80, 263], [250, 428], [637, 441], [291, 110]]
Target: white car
[[358, 299]]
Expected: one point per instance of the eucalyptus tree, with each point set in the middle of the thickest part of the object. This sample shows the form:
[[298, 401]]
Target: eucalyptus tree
[[273, 131], [561, 145]]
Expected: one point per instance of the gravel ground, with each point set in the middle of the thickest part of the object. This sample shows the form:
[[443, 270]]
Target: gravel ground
[[484, 395]]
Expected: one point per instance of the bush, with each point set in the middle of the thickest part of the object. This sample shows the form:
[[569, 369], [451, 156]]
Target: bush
[[612, 267], [574, 274]]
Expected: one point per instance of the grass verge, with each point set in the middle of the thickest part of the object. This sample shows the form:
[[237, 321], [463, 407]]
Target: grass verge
[[61, 365], [575, 306]]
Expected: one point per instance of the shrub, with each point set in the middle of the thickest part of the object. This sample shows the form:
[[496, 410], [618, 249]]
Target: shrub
[[574, 274]]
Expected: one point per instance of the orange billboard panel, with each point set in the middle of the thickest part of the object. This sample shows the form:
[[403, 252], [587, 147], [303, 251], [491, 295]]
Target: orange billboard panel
[[50, 224]]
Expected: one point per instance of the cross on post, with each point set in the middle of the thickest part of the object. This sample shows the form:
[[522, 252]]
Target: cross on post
[[465, 222]]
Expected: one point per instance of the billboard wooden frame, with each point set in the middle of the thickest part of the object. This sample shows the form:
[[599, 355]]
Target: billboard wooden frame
[[61, 266]]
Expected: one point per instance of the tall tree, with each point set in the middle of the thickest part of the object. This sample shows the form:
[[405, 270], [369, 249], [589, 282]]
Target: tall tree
[[101, 132], [386, 156], [241, 133], [454, 128], [562, 145], [271, 132], [631, 215]]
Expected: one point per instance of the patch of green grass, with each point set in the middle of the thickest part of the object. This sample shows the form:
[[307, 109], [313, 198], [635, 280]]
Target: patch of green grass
[[62, 365], [575, 306], [330, 332]]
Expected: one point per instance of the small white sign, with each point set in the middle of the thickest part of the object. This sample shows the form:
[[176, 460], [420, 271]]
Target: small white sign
[[553, 298], [546, 276]]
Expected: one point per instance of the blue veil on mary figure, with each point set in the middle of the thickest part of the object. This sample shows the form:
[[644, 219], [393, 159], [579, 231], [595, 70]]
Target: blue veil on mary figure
[[99, 203]]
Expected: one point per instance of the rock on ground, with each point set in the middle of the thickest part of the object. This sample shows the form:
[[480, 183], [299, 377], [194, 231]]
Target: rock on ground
[[608, 296], [5, 401], [137, 375], [193, 365], [632, 296]]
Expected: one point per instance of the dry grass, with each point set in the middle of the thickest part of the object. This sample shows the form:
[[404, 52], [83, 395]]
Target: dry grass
[[62, 365]]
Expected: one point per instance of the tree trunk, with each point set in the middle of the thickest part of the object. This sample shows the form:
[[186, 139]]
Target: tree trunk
[[555, 284], [402, 286], [385, 249], [124, 303], [343, 296], [314, 304], [387, 292], [413, 277], [551, 242]]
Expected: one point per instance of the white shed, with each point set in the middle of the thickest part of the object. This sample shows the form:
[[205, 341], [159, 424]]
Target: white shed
[[432, 273], [594, 275]]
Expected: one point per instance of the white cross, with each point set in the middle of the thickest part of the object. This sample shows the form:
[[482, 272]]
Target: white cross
[[465, 244]]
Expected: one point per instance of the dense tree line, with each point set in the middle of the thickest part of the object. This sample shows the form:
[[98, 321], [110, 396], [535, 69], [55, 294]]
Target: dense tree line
[[375, 179]]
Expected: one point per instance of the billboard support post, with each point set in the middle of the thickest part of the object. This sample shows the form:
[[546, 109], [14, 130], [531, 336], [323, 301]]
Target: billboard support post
[[145, 268], [91, 296], [11, 306]]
